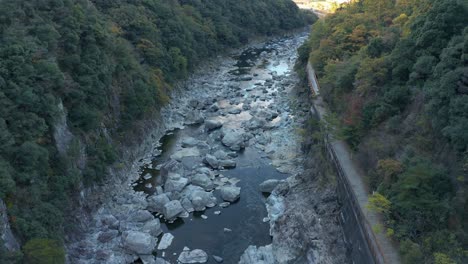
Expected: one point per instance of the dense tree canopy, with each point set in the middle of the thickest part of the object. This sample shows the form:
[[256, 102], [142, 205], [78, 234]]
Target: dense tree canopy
[[397, 74], [110, 64]]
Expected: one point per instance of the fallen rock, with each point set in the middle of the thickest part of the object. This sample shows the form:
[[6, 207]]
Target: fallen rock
[[166, 241], [202, 199], [156, 202], [260, 255], [138, 242], [227, 164], [203, 181], [235, 111], [194, 256], [175, 183], [140, 216], [212, 124], [230, 193], [189, 142], [214, 107], [161, 261], [235, 139], [172, 209], [212, 161], [152, 227], [269, 185], [187, 205], [218, 259], [186, 152]]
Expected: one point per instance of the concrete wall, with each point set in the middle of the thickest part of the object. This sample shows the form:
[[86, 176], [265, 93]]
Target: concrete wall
[[365, 246]]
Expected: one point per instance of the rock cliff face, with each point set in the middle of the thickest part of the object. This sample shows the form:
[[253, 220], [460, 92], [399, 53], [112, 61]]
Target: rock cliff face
[[303, 224], [6, 235]]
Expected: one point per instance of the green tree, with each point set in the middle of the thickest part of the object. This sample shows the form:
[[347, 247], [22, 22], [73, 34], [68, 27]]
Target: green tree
[[44, 251]]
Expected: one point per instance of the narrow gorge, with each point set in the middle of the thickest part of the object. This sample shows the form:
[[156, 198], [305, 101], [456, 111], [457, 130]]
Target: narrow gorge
[[201, 194]]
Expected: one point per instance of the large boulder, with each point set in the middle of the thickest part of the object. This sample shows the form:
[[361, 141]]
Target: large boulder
[[156, 202], [214, 107], [172, 209], [269, 185], [255, 123], [185, 152], [235, 139], [260, 255], [221, 155], [138, 242], [166, 241], [201, 199], [230, 193], [212, 124], [212, 161], [194, 117], [194, 256], [140, 216], [187, 205], [203, 181], [152, 227], [175, 183], [227, 164]]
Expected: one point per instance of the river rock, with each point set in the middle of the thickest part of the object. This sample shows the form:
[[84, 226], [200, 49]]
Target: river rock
[[235, 111], [156, 202], [186, 152], [187, 205], [213, 124], [234, 138], [167, 169], [230, 193], [254, 123], [227, 164], [107, 236], [220, 154], [214, 107], [218, 259], [175, 183], [194, 256], [110, 221], [161, 261], [212, 161], [166, 241], [140, 216], [138, 242], [201, 200], [203, 181], [260, 255], [194, 117], [269, 185], [152, 227], [189, 142], [172, 209]]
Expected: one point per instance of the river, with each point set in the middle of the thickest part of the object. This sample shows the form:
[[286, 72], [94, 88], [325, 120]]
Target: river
[[234, 123]]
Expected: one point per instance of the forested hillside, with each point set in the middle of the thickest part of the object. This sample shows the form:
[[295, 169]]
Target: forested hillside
[[110, 64], [396, 75]]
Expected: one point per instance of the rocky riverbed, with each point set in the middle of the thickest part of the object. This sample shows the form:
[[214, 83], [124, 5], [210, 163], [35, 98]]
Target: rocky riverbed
[[202, 194]]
